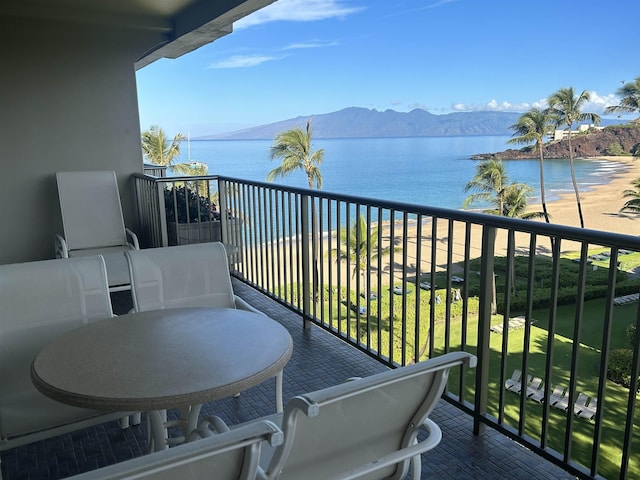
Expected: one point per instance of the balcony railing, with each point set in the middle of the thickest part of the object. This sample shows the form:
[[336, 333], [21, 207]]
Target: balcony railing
[[405, 282]]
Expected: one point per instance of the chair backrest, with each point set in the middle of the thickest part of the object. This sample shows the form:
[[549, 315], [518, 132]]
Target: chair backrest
[[224, 456], [91, 209], [38, 302], [187, 275], [352, 426]]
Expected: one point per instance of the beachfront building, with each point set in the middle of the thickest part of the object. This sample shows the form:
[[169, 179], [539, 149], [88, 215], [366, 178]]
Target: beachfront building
[[68, 101], [560, 134]]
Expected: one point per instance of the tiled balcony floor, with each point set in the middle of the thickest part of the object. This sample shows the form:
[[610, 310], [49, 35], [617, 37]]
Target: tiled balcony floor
[[319, 360]]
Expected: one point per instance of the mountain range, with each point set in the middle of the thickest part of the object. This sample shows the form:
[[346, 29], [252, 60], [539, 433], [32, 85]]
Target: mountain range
[[356, 122]]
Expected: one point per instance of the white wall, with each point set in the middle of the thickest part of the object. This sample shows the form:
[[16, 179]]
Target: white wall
[[68, 101]]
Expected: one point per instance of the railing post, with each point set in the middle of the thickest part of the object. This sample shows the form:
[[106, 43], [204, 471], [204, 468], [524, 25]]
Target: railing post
[[306, 271], [224, 215], [162, 215], [485, 310]]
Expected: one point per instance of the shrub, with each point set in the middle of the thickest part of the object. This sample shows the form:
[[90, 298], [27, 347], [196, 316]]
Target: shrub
[[614, 149], [200, 208], [631, 335], [619, 369]]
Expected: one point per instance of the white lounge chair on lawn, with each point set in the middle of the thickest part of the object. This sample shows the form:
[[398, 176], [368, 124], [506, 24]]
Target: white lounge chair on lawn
[[534, 386], [518, 386], [515, 378], [590, 410], [580, 403], [365, 428], [556, 395]]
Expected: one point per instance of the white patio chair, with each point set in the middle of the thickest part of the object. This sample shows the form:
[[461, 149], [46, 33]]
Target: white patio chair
[[93, 224], [38, 302], [231, 455], [365, 428], [183, 276]]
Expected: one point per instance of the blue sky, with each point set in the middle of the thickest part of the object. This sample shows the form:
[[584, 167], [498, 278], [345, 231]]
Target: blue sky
[[304, 57]]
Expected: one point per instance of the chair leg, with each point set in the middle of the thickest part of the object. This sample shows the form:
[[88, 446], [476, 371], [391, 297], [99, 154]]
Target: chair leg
[[279, 405], [136, 418], [123, 422]]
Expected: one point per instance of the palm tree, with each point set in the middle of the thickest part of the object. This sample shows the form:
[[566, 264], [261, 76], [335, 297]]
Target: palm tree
[[629, 94], [507, 200], [489, 183], [515, 200], [566, 107], [532, 126], [359, 245], [294, 149], [159, 150], [633, 205]]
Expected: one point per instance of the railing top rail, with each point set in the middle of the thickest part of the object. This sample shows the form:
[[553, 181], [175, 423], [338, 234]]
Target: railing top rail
[[533, 227]]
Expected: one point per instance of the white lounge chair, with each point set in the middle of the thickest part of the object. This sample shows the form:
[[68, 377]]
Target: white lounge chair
[[183, 276], [38, 302], [561, 402], [534, 386], [515, 378], [232, 455], [590, 410], [518, 386], [556, 395], [365, 428], [93, 224], [580, 403]]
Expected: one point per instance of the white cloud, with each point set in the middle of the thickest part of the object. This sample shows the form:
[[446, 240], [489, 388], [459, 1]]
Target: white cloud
[[242, 61], [494, 105], [598, 103], [311, 44], [297, 11]]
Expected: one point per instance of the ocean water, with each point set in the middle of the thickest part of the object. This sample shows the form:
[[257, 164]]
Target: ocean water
[[425, 170]]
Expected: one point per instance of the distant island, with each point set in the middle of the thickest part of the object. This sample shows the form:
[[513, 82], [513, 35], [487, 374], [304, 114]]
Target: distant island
[[611, 140], [355, 122]]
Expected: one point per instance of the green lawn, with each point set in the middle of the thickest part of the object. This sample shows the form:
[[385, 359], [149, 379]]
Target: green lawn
[[396, 329]]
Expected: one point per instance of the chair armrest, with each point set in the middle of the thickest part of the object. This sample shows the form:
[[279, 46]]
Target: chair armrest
[[132, 239], [242, 305], [434, 438], [61, 247]]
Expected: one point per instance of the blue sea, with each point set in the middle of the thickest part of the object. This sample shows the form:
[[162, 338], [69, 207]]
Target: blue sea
[[425, 170]]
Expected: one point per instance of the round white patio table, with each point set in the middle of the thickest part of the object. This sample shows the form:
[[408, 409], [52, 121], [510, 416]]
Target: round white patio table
[[161, 359]]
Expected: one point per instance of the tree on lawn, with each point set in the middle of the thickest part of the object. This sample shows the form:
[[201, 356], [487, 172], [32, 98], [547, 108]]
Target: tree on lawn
[[359, 245], [566, 107], [294, 149], [532, 126]]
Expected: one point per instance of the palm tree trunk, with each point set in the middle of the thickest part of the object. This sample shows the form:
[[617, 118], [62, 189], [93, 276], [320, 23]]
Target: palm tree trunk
[[573, 179], [542, 196]]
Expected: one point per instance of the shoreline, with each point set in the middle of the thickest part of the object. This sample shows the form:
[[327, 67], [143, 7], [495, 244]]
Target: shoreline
[[600, 204]]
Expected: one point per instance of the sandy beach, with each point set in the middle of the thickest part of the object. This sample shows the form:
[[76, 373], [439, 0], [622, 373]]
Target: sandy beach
[[601, 205]]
